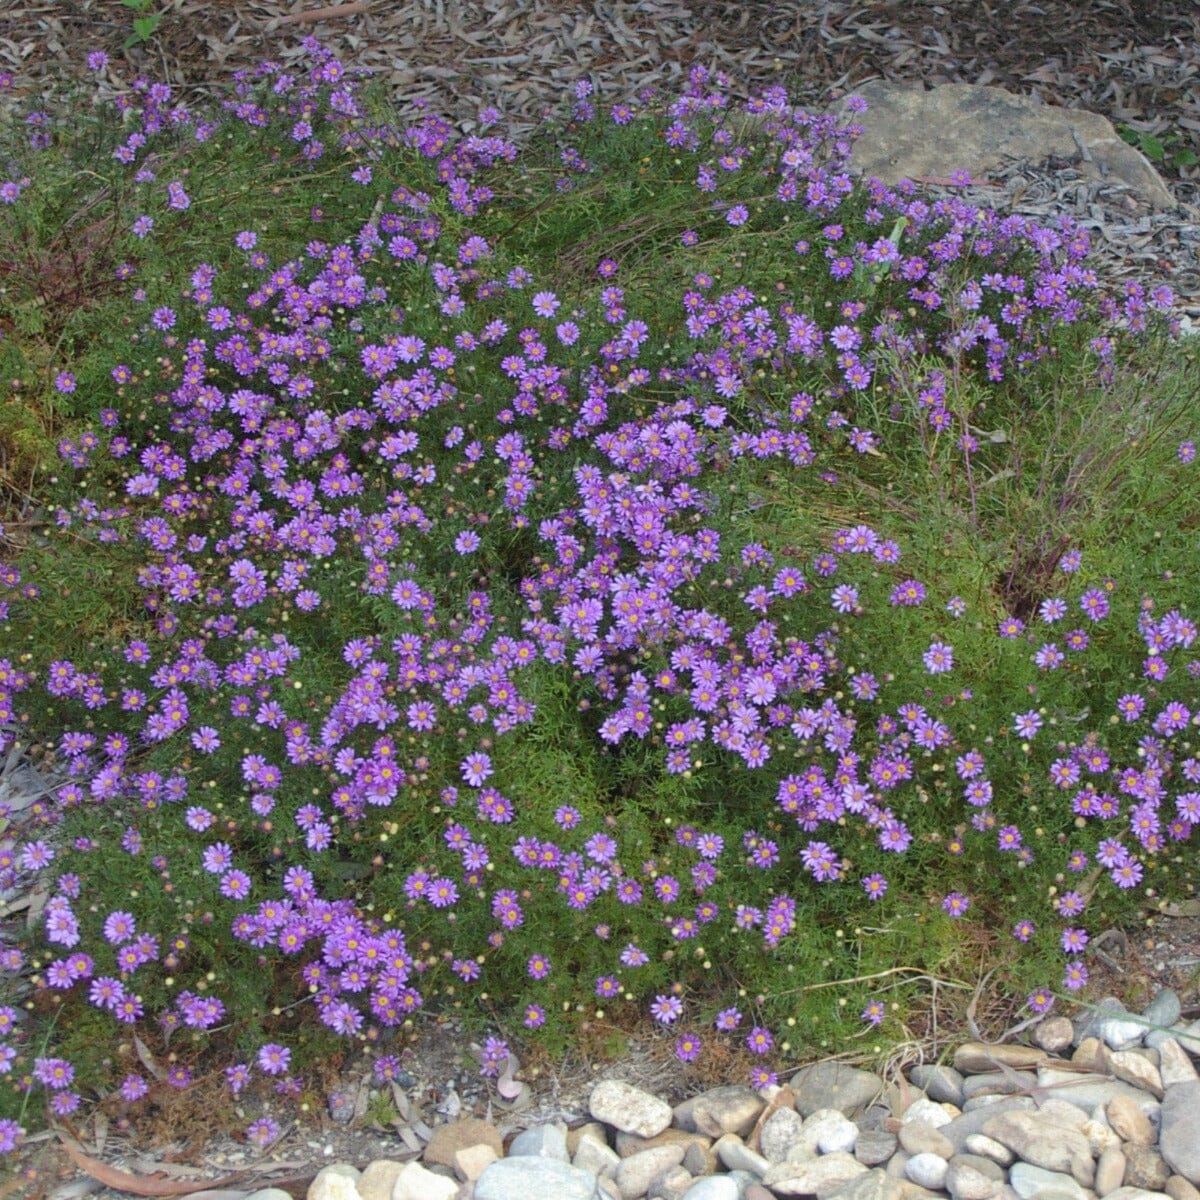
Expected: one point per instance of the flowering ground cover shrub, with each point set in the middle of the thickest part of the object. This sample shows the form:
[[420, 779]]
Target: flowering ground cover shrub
[[639, 573]]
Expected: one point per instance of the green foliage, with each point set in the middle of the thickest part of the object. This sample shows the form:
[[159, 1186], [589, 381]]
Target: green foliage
[[1170, 150], [145, 22]]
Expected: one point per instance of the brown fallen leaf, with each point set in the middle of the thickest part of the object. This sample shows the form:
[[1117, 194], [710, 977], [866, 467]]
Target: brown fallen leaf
[[142, 1185], [319, 14]]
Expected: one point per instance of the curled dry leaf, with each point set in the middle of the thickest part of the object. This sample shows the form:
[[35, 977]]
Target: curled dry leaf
[[507, 1084], [141, 1185], [147, 1059]]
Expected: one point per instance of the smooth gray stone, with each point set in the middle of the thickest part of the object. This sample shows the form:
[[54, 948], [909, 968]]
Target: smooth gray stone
[[1155, 1038], [998, 1083], [731, 1109], [919, 1137], [1163, 1011], [541, 1141], [874, 1147], [910, 132], [1034, 1183], [596, 1157], [735, 1155], [874, 1185], [1179, 1131], [985, 1100], [941, 1083], [524, 1178], [1189, 1037], [962, 1127], [1084, 1093], [780, 1132], [744, 1180], [636, 1173], [971, 1178], [834, 1085], [1044, 1142], [985, 1166]]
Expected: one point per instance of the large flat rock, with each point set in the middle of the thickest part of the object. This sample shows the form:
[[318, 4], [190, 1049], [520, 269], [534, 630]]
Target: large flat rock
[[912, 133]]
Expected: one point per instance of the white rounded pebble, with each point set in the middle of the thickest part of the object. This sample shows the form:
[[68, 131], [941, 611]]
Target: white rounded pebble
[[986, 1147], [922, 1109], [840, 1134], [713, 1187], [927, 1170], [338, 1181], [628, 1108], [416, 1182]]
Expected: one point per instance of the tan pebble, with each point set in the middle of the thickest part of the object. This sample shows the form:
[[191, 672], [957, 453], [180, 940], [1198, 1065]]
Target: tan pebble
[[730, 1109], [471, 1161], [914, 1191], [986, 1147], [630, 1143], [596, 1157], [670, 1184], [1179, 1188], [1145, 1168], [971, 1058], [1134, 1068], [609, 1188], [470, 1132], [1054, 1035], [591, 1129], [1110, 1171], [634, 1174], [918, 1137], [416, 1182], [1064, 1113], [1087, 1053], [378, 1179], [1100, 1135], [1175, 1064], [1129, 1122]]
